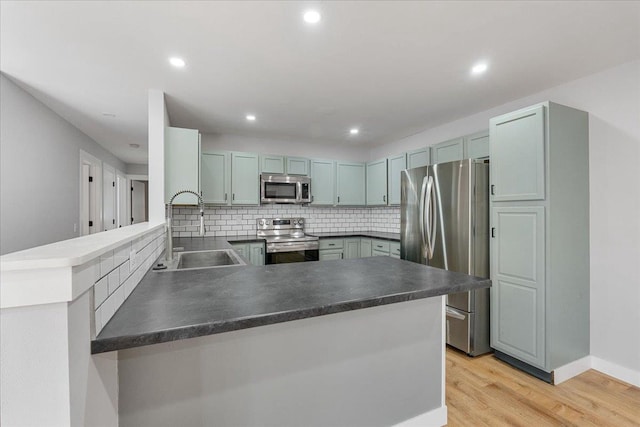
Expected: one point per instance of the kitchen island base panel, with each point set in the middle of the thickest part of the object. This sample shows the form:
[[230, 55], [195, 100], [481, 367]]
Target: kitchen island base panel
[[382, 365]]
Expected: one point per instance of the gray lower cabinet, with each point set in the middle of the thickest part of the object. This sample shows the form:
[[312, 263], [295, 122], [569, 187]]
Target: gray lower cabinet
[[365, 248], [394, 250], [540, 237], [330, 249], [352, 248], [253, 252]]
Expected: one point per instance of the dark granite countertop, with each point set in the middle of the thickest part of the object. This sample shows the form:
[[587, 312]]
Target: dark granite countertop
[[395, 237], [168, 306]]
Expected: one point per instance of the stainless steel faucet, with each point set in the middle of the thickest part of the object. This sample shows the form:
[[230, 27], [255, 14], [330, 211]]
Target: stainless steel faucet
[[169, 243]]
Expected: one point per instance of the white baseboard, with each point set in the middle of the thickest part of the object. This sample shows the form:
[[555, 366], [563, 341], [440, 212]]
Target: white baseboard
[[434, 418], [619, 372], [571, 370]]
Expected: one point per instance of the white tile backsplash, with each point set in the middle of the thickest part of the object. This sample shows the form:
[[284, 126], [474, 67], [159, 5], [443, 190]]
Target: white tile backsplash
[[232, 221]]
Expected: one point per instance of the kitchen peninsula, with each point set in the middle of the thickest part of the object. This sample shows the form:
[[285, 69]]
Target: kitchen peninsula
[[219, 346]]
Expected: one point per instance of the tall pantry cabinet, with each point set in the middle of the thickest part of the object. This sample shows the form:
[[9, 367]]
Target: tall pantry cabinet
[[540, 237]]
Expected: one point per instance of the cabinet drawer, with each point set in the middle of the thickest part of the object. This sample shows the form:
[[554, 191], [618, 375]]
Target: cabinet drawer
[[380, 246], [379, 253], [394, 249], [331, 243], [330, 254]]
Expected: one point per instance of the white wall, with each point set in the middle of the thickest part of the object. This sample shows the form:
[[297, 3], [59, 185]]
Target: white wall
[[612, 98], [289, 147], [39, 171], [134, 169]]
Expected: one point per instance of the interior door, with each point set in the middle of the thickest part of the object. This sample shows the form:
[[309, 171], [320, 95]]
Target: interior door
[[121, 189], [108, 198], [138, 202]]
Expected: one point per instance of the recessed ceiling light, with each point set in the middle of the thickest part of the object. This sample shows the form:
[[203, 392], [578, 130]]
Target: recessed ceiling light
[[354, 131], [251, 117], [312, 17], [479, 68], [177, 62]]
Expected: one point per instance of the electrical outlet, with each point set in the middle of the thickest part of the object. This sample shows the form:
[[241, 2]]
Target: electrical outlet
[[132, 260], [75, 227]]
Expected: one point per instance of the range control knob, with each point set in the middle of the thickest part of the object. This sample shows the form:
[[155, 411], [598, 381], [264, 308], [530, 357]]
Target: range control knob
[[262, 222]]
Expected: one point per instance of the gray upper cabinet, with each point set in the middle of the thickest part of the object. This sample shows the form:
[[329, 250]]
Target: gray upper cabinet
[[245, 179], [448, 151], [395, 166], [420, 157], [216, 177], [476, 146], [350, 183], [297, 166], [181, 165], [540, 235], [272, 164], [377, 183], [517, 155], [323, 182]]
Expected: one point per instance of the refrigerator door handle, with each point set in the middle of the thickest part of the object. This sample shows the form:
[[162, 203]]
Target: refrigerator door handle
[[422, 220], [433, 218]]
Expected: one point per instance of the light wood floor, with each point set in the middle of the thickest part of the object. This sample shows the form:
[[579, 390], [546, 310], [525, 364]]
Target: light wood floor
[[484, 391]]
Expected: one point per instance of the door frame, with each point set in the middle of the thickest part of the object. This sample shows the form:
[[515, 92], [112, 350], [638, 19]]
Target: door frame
[[87, 198]]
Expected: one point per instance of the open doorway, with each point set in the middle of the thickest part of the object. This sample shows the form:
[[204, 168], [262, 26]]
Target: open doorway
[[139, 201]]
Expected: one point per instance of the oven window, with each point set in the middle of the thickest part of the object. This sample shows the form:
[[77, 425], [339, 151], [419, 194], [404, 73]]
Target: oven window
[[279, 190], [295, 256]]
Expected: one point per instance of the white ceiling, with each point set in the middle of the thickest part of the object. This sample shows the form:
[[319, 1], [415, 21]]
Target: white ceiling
[[391, 68]]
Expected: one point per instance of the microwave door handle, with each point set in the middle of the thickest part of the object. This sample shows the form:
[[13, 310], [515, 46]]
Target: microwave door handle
[[299, 192]]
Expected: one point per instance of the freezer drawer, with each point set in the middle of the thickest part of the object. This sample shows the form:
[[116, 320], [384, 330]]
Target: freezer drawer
[[467, 331]]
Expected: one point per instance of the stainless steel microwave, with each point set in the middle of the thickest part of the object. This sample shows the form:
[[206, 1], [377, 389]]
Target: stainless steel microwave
[[285, 189]]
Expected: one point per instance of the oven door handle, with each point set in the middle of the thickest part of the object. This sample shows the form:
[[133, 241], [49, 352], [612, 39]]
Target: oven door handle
[[291, 247]]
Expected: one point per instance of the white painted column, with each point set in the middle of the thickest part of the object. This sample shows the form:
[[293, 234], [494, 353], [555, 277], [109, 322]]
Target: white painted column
[[158, 122]]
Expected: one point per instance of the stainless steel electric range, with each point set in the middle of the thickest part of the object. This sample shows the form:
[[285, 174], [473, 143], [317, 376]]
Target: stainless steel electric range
[[286, 240]]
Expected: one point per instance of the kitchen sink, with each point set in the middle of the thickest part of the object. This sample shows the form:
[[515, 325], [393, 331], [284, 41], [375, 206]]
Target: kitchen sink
[[203, 259]]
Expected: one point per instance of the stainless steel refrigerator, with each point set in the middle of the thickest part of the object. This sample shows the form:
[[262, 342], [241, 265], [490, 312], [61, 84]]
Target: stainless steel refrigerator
[[445, 224]]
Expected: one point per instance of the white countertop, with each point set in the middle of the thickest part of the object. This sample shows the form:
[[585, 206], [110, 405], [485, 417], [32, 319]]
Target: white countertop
[[76, 251]]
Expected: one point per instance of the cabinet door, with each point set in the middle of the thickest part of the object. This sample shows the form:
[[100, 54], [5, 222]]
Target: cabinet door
[[350, 179], [396, 165], [476, 146], [242, 249], [272, 164], [351, 248], [394, 249], [377, 183], [245, 179], [365, 248], [181, 165], [448, 151], [256, 253], [330, 254], [518, 291], [417, 158], [517, 155], [216, 177], [297, 166], [323, 182]]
